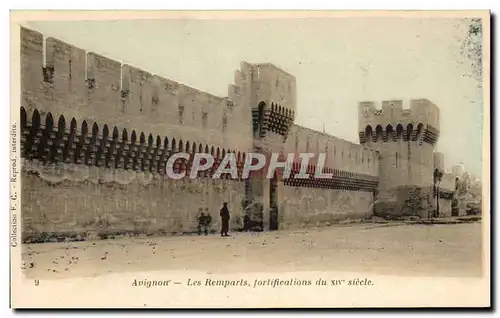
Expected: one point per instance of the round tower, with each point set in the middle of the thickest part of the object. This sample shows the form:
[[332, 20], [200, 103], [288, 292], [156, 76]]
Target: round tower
[[405, 139]]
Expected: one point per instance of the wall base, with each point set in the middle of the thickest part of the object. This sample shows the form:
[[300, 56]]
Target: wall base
[[404, 201]]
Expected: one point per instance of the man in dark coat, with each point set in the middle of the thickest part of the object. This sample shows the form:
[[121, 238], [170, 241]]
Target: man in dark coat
[[224, 214]]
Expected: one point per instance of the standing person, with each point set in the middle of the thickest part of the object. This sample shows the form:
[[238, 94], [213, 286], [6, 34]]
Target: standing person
[[224, 214], [201, 222], [246, 223]]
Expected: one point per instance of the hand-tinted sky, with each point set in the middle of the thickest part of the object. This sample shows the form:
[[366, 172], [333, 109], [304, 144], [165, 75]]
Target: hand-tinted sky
[[337, 62]]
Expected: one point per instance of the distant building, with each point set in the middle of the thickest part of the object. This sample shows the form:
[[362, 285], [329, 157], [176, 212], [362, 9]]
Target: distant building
[[458, 170]]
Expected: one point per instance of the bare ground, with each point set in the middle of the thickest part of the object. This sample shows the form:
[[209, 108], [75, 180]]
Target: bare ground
[[411, 250]]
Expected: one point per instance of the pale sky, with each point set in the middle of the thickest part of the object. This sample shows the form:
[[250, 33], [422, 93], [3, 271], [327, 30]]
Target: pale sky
[[404, 59]]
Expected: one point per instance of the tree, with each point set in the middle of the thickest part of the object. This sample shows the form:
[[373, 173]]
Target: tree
[[472, 48]]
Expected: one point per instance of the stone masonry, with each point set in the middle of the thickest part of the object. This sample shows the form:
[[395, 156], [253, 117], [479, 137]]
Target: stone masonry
[[96, 135]]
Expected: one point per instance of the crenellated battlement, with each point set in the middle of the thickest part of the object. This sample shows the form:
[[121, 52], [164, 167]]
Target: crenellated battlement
[[340, 153], [62, 79], [272, 85], [392, 112], [240, 89], [272, 99], [405, 138], [392, 121]]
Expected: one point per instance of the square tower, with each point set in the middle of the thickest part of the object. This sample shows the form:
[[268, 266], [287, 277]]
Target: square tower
[[273, 104]]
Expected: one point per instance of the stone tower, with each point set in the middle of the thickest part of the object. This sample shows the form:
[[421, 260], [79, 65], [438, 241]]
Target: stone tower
[[405, 139], [272, 102]]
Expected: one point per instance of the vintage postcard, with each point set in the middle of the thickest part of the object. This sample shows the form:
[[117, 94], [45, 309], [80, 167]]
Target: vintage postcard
[[258, 159]]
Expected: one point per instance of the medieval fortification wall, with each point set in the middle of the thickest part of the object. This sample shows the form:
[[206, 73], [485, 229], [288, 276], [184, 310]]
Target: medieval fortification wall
[[96, 134], [97, 109], [330, 203]]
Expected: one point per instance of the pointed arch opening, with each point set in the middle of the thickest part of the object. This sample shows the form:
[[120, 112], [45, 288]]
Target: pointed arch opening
[[85, 128], [35, 119], [369, 133], [390, 132], [61, 125], [420, 130], [124, 135], [105, 131], [409, 131], [73, 126], [399, 131], [95, 129], [116, 134], [378, 132], [173, 145], [260, 118], [24, 118], [49, 122]]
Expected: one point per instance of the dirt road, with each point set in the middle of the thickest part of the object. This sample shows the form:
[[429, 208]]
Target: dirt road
[[413, 250]]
